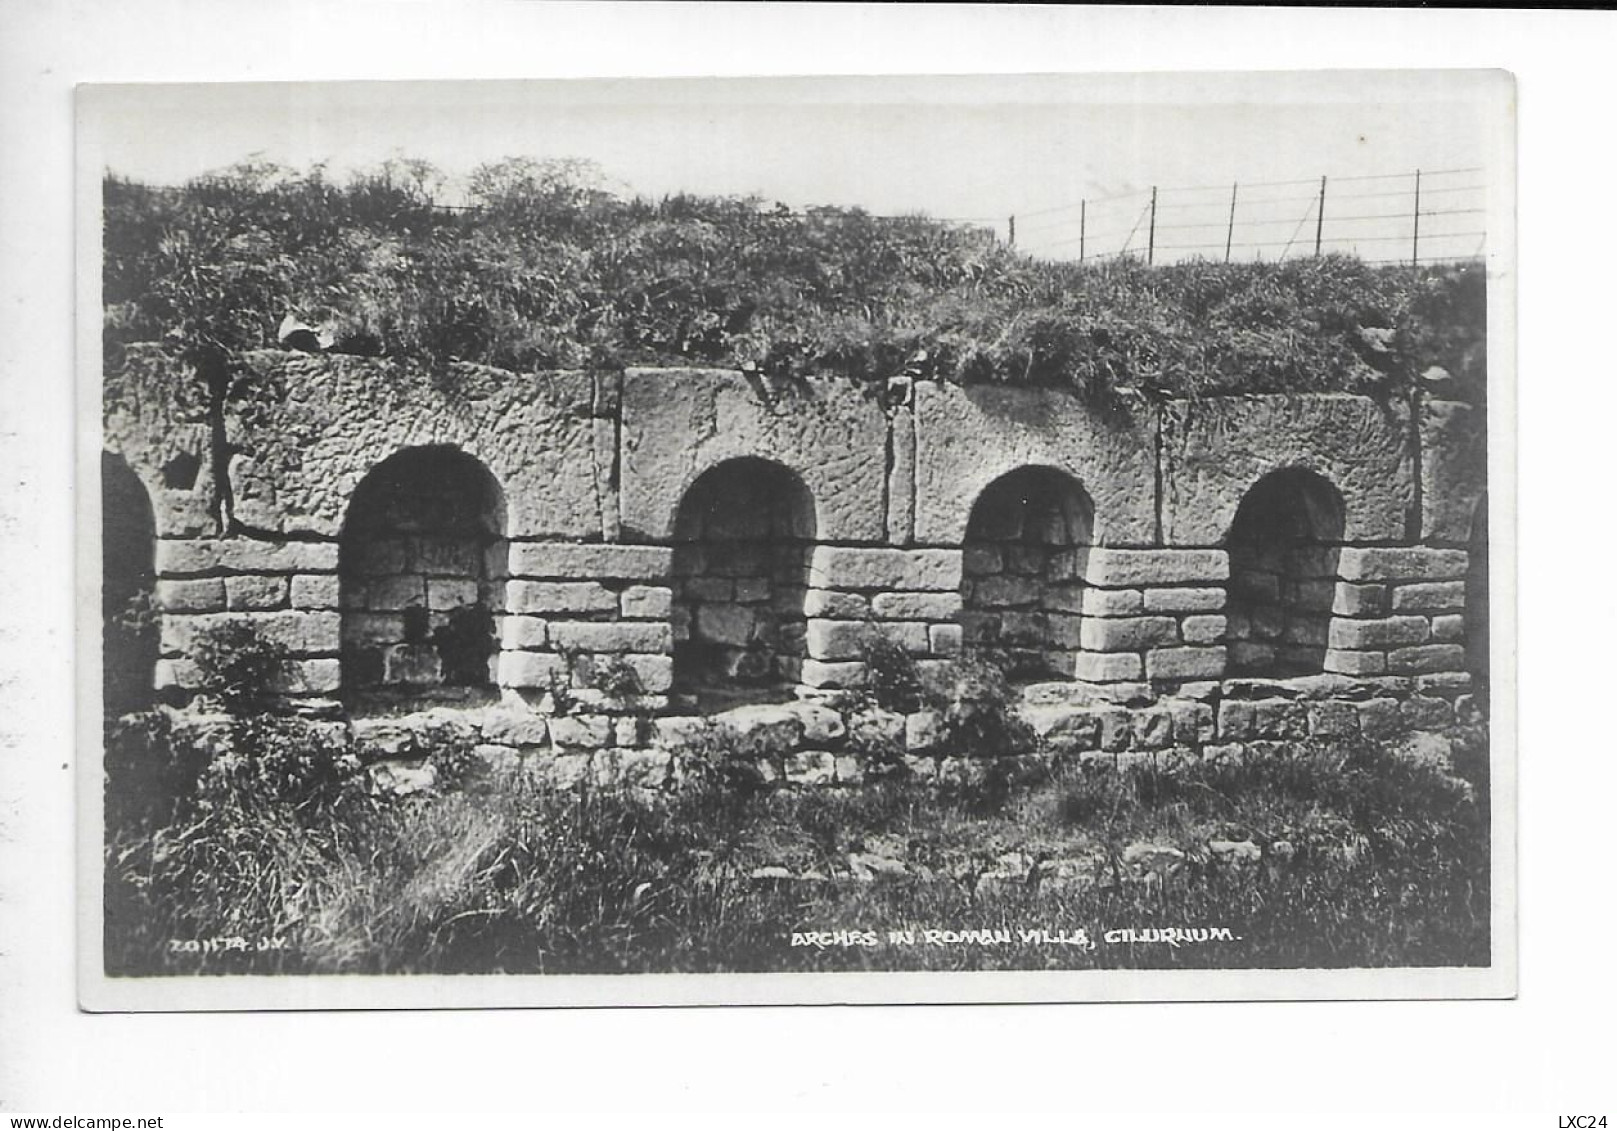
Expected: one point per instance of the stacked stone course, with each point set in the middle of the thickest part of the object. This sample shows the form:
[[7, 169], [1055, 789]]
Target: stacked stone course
[[1148, 644]]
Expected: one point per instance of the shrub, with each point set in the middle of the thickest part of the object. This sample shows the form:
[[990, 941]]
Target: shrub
[[979, 707], [892, 677], [238, 667]]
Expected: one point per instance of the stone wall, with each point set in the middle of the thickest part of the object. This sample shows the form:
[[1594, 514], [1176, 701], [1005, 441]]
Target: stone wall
[[657, 530]]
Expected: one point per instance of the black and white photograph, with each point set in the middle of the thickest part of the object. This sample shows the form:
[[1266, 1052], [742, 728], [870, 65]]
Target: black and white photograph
[[703, 541]]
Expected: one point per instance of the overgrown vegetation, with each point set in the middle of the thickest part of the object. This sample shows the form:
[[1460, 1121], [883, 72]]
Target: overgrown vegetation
[[547, 269]]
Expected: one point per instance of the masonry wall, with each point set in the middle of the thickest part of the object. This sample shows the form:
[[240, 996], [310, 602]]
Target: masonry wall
[[593, 469]]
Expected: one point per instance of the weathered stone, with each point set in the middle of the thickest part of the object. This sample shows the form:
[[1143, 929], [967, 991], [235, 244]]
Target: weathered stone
[[1184, 600], [512, 728], [1454, 468], [1353, 600], [315, 591], [620, 636], [1355, 663], [1111, 602], [1449, 629], [301, 633], [1065, 729], [818, 673], [1107, 667], [568, 561], [520, 633], [1236, 720], [1004, 592], [1192, 722], [1378, 634], [1429, 597], [532, 669], [574, 732], [1116, 727], [945, 639], [655, 673], [821, 724], [875, 728], [811, 767], [309, 677], [402, 778], [837, 605], [1145, 859], [1429, 658], [1379, 718], [1202, 629], [848, 567], [1383, 563], [775, 726], [1214, 450], [205, 595], [1185, 663], [1153, 729], [1236, 852], [969, 436], [1446, 684], [726, 624], [1173, 568], [559, 597], [1330, 720], [1421, 712], [916, 606], [1279, 718], [923, 732], [646, 602], [178, 558], [1128, 634]]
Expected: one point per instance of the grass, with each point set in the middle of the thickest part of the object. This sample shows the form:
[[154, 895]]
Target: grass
[[1366, 860]]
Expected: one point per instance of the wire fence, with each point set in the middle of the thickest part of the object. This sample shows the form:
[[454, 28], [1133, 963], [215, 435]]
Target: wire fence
[[1423, 216]]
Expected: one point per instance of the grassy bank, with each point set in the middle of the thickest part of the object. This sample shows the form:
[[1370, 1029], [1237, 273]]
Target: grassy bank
[[1320, 856]]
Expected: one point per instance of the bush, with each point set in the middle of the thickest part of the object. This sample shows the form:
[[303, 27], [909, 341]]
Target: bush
[[892, 677], [978, 705], [239, 668]]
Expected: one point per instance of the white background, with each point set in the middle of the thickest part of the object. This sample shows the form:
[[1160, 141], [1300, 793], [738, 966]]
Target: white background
[[1549, 1052]]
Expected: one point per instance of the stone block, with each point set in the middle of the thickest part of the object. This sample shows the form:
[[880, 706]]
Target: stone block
[[678, 424], [848, 567], [1447, 684], [180, 557], [575, 732], [310, 677], [1390, 632], [598, 561], [982, 560], [1192, 600], [315, 591], [301, 633], [725, 624], [205, 595], [709, 589], [1193, 723], [969, 436], [837, 605], [811, 767], [1186, 663], [1202, 629], [1330, 719], [1116, 728], [1449, 628], [1113, 568], [1237, 720], [1355, 663], [916, 606], [656, 673], [515, 728], [1153, 728], [851, 771], [627, 731], [443, 557], [1064, 728], [752, 590], [451, 593], [945, 639], [1430, 597], [1279, 718], [1454, 468], [1428, 658], [523, 634], [1384, 563], [1424, 712], [559, 597], [394, 594], [646, 602], [621, 636], [1128, 634], [1353, 600], [842, 675], [1112, 602], [412, 664], [1104, 667], [532, 670], [1380, 718], [1214, 450]]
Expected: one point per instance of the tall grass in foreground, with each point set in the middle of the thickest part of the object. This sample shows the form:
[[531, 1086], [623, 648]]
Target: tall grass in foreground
[[1367, 859]]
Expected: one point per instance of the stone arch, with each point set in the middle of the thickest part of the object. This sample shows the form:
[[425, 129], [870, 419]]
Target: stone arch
[[130, 636], [1026, 553], [1476, 601], [1283, 545], [422, 566], [743, 538]]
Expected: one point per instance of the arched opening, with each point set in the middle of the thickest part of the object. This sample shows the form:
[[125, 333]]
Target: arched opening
[[1283, 548], [1476, 602], [422, 567], [1026, 550], [743, 539], [129, 622]]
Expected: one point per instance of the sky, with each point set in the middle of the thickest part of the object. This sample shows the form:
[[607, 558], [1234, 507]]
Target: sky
[[1073, 158]]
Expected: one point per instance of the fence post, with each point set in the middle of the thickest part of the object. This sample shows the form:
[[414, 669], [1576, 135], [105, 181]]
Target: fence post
[[1083, 226], [1319, 220], [1229, 236], [1151, 236], [1013, 231], [1414, 251]]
